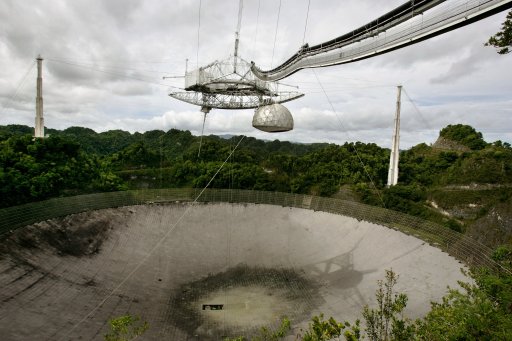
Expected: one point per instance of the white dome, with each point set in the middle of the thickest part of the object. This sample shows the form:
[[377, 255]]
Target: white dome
[[272, 118]]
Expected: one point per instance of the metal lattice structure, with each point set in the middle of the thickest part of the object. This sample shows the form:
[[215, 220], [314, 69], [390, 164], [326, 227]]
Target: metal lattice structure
[[230, 84]]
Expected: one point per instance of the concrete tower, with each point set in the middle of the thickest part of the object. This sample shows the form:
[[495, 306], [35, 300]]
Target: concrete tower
[[39, 126], [395, 152]]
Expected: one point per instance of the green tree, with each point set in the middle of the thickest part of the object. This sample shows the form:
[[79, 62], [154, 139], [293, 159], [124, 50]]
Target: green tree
[[126, 328], [480, 311], [465, 315], [265, 334], [465, 135], [138, 155], [503, 39], [324, 330], [39, 169], [387, 322]]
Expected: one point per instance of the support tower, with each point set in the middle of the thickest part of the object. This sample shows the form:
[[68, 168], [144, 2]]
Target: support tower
[[39, 126], [395, 152]]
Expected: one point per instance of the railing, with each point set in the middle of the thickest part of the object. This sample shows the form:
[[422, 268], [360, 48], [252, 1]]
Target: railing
[[456, 244]]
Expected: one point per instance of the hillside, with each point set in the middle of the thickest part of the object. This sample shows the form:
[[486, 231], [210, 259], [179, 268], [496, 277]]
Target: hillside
[[461, 181]]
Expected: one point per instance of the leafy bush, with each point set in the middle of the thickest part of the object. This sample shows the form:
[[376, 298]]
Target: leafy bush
[[324, 330], [266, 334], [126, 328], [465, 135], [37, 169], [467, 315], [386, 322]]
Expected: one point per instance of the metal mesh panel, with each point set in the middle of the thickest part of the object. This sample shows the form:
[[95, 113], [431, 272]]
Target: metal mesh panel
[[456, 244]]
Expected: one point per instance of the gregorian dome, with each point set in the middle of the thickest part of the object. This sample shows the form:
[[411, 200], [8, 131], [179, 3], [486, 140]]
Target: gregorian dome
[[272, 118]]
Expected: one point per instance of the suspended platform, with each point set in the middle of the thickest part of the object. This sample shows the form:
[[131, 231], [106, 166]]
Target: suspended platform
[[230, 84]]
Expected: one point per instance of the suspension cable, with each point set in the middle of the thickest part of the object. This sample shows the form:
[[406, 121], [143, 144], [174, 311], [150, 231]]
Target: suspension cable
[[353, 144], [198, 31], [88, 67], [153, 249], [18, 87], [254, 40], [202, 133], [275, 35], [92, 64], [238, 27], [425, 122], [306, 24]]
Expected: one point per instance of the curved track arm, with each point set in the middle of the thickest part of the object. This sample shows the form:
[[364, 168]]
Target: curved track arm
[[386, 34]]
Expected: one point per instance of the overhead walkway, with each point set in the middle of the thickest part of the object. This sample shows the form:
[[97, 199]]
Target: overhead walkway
[[407, 24]]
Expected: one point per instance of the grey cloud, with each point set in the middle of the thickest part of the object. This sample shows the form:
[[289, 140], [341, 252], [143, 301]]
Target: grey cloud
[[122, 11], [70, 73], [461, 68], [132, 89], [20, 105]]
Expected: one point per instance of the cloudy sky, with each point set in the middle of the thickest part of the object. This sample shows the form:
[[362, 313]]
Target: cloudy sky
[[104, 62]]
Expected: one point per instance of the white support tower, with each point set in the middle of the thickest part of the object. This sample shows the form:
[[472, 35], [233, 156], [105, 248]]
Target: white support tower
[[395, 152], [39, 126]]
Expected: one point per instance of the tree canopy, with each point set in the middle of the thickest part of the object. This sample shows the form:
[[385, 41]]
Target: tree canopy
[[502, 40], [79, 160], [465, 135]]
